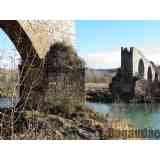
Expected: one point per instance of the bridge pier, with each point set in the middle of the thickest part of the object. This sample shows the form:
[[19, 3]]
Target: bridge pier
[[39, 44]]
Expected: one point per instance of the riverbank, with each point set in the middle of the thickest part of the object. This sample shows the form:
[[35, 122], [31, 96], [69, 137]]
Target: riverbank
[[93, 121], [98, 92], [76, 122], [142, 93]]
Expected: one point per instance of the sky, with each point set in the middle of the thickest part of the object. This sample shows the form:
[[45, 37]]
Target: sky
[[9, 56], [99, 42]]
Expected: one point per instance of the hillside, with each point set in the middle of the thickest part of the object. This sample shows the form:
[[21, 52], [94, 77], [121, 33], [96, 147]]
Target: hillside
[[99, 75]]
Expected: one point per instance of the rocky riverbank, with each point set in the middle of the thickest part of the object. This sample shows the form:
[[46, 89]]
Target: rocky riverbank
[[111, 86], [59, 123], [98, 92], [56, 123], [142, 92]]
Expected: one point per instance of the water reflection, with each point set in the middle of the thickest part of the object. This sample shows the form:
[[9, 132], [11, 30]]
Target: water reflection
[[137, 115]]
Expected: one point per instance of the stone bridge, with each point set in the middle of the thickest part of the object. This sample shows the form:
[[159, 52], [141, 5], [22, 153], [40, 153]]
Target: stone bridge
[[137, 77], [36, 37], [134, 63], [42, 70]]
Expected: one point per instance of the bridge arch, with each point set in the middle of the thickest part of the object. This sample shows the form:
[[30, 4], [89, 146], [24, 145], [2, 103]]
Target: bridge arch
[[33, 41], [19, 38], [27, 52], [141, 68], [149, 74]]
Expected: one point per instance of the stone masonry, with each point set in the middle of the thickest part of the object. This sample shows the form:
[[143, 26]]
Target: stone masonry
[[41, 75], [137, 73], [45, 33]]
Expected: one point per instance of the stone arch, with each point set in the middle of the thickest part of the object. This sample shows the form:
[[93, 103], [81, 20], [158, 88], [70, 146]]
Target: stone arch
[[29, 56], [19, 38], [33, 48], [141, 68], [149, 74]]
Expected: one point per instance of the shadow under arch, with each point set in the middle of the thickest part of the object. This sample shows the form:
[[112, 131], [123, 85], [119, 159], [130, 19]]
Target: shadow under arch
[[156, 77], [149, 74], [141, 68]]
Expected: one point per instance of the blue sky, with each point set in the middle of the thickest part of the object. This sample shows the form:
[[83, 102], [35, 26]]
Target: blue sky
[[5, 42], [99, 41], [7, 52], [101, 36]]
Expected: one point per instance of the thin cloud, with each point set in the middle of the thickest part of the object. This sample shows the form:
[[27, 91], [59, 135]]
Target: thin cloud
[[103, 60], [113, 59]]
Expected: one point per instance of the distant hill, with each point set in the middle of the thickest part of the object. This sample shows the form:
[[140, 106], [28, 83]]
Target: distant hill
[[99, 75]]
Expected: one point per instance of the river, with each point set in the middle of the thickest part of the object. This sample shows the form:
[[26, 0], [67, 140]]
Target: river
[[140, 115], [6, 102]]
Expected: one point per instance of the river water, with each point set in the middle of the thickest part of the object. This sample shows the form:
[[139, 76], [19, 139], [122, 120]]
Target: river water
[[140, 115], [6, 102]]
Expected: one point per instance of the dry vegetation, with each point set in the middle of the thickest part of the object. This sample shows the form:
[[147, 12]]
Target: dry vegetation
[[59, 119]]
